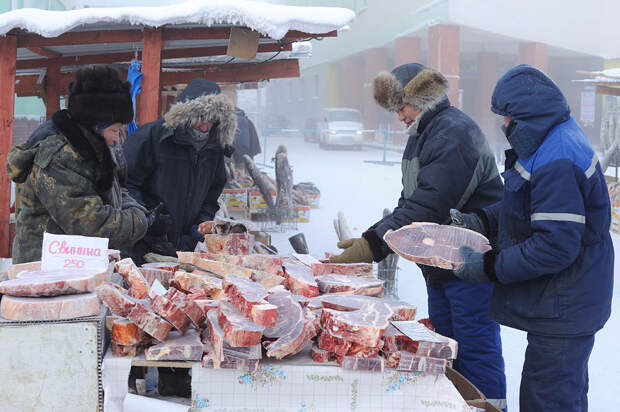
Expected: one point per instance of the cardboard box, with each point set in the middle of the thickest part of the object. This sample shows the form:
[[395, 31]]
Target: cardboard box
[[313, 199], [469, 392], [257, 203], [235, 199]]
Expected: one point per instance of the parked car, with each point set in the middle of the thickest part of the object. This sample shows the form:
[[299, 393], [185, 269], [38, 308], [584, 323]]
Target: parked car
[[341, 127]]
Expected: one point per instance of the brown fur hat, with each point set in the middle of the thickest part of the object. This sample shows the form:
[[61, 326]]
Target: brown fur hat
[[412, 84]]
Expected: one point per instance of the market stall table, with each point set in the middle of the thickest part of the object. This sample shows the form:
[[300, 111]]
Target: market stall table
[[296, 384]]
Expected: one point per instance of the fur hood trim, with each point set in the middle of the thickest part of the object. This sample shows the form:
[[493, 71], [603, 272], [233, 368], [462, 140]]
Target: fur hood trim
[[423, 91], [216, 108]]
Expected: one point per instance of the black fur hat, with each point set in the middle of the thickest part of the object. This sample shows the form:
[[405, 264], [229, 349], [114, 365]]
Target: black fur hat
[[99, 96], [412, 84]]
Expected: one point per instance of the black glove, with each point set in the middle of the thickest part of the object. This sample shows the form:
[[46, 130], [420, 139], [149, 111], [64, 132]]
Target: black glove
[[159, 222], [467, 220]]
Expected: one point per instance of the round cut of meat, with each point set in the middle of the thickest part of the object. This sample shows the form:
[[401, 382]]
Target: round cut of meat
[[435, 245]]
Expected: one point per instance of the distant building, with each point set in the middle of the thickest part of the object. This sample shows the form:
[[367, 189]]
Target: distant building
[[472, 43]]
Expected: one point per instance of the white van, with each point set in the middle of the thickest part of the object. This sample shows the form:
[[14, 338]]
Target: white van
[[341, 127]]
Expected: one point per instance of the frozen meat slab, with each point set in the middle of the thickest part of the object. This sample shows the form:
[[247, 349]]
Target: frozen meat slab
[[435, 245], [351, 285], [292, 331], [250, 299], [50, 283], [300, 281], [49, 308], [356, 269], [149, 322], [402, 310], [238, 330], [364, 326], [187, 347]]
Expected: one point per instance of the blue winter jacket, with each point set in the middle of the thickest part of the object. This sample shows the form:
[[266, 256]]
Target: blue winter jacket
[[554, 257]]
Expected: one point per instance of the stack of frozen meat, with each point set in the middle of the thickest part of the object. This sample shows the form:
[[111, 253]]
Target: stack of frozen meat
[[32, 294], [231, 310]]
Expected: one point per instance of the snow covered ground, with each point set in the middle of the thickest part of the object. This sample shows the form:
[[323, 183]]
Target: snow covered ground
[[362, 190]]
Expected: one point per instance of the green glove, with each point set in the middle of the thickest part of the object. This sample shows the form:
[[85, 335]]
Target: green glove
[[356, 250]]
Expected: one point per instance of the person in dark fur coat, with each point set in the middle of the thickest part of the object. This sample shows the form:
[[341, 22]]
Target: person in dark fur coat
[[179, 161], [68, 173], [447, 164]]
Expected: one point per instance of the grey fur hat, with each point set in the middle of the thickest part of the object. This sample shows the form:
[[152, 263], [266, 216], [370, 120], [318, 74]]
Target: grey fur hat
[[412, 84], [215, 108]]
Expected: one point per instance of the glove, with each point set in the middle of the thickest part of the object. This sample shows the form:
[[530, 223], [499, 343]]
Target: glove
[[159, 223], [188, 241], [467, 220], [356, 250], [473, 268]]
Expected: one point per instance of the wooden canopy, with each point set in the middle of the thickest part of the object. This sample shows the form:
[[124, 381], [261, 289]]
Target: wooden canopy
[[33, 65]]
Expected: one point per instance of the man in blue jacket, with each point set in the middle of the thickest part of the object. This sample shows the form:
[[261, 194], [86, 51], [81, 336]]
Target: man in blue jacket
[[553, 259], [447, 163]]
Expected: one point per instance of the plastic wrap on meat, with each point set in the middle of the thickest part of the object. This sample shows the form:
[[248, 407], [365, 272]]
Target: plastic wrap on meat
[[375, 364], [321, 355], [187, 347], [427, 364], [402, 310]]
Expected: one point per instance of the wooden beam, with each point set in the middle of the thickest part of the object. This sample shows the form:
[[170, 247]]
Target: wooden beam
[[148, 108], [29, 86], [135, 36], [236, 73], [218, 51], [79, 37], [42, 51], [52, 91], [611, 91], [8, 55], [108, 58]]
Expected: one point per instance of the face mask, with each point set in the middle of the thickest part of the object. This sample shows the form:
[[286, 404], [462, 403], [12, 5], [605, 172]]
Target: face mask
[[507, 130], [198, 135]]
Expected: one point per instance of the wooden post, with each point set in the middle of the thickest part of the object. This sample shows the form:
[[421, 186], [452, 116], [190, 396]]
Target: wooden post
[[148, 108], [8, 56], [52, 88]]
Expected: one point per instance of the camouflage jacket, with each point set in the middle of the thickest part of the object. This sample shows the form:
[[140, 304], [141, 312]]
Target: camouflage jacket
[[68, 185]]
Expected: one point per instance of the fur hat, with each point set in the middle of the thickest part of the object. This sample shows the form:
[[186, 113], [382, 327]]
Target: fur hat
[[215, 108], [412, 84], [99, 96]]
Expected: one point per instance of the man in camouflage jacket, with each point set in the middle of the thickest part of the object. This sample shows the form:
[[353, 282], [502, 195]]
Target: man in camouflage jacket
[[68, 178]]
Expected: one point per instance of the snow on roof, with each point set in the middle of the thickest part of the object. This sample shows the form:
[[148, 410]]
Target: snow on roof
[[273, 20], [601, 76]]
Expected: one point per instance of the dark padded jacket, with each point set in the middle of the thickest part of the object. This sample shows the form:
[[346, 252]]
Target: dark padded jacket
[[164, 165], [447, 164]]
